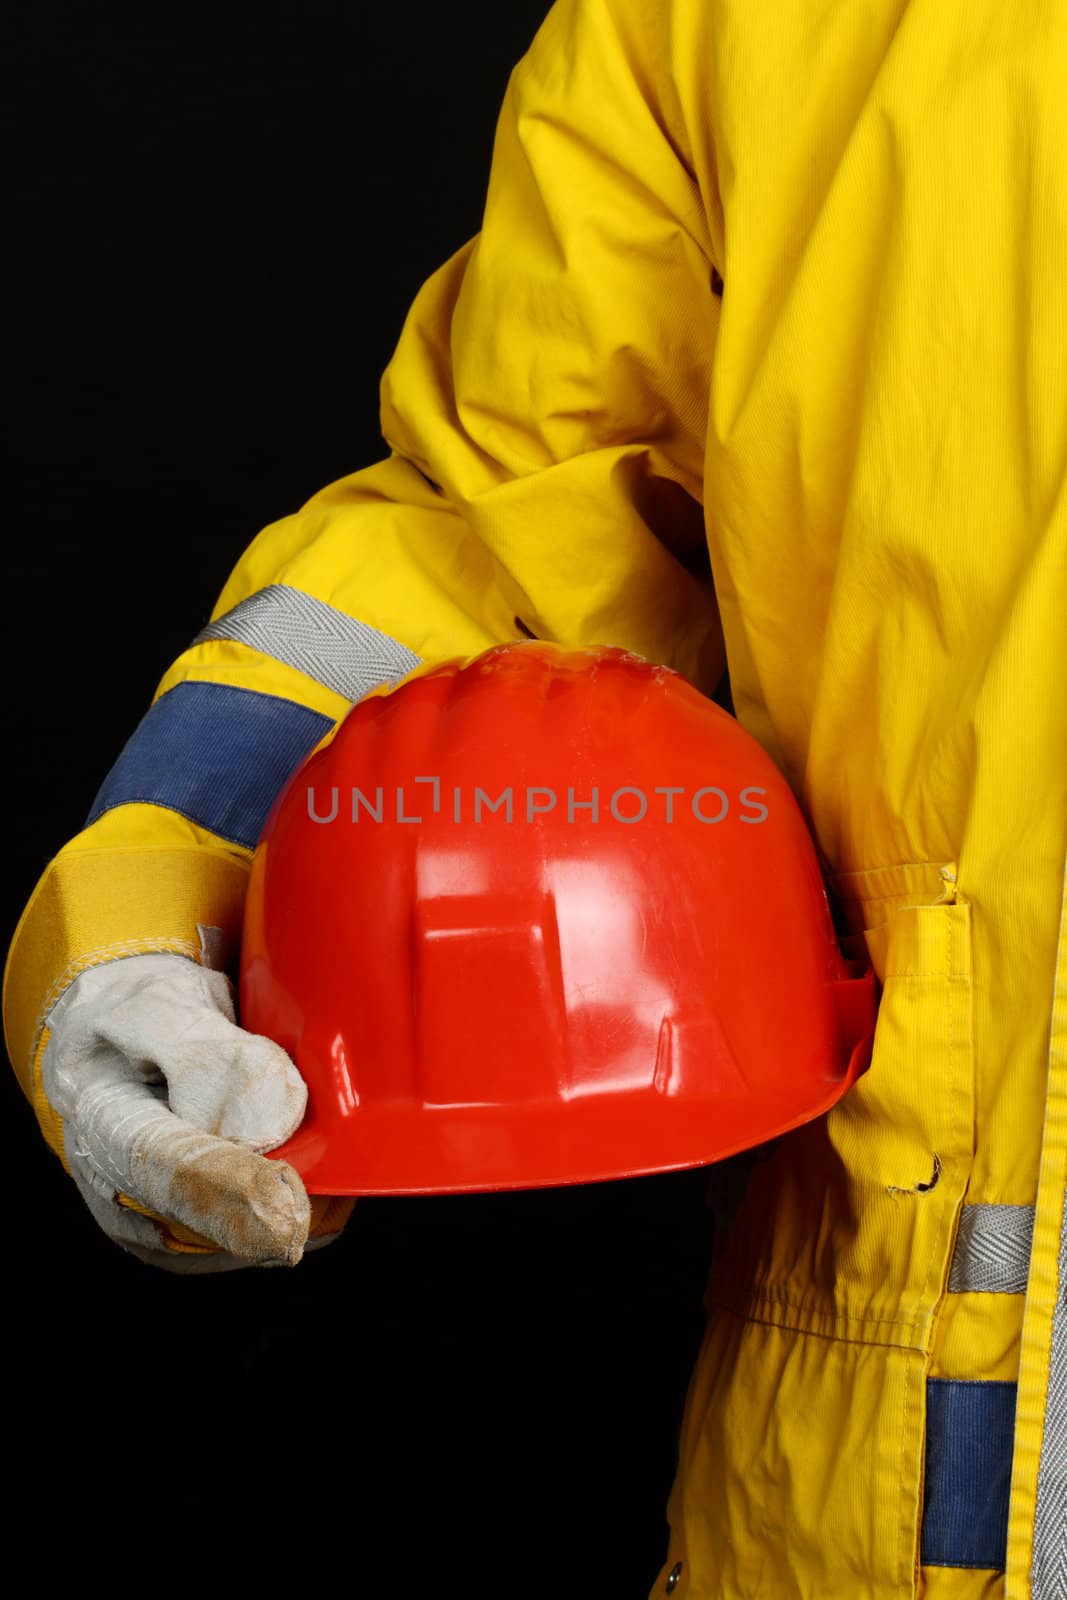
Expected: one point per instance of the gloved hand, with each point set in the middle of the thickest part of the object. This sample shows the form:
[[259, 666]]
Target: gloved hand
[[165, 1102]]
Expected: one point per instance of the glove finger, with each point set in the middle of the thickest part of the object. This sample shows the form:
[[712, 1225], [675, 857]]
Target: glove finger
[[219, 1077], [254, 1208], [138, 1234], [237, 1085], [329, 1217]]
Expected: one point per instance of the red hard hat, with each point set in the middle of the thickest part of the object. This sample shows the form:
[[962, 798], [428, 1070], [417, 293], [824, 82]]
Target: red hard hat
[[544, 916]]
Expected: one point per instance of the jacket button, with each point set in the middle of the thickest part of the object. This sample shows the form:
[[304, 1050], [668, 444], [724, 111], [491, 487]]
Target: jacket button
[[672, 1577]]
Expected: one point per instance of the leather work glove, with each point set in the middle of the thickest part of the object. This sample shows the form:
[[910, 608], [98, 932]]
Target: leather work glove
[[166, 1104]]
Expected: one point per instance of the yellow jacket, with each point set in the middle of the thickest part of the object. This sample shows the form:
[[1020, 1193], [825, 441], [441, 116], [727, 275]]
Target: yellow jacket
[[802, 266]]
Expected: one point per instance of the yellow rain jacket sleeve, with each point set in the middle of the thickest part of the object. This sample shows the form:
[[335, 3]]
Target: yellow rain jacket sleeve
[[545, 413], [801, 266]]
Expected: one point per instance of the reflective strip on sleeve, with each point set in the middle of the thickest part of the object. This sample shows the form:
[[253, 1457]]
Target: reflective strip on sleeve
[[217, 754], [342, 654], [992, 1254], [969, 1438], [1049, 1573]]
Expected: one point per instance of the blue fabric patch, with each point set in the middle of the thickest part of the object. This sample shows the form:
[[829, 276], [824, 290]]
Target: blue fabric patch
[[218, 755], [970, 1429]]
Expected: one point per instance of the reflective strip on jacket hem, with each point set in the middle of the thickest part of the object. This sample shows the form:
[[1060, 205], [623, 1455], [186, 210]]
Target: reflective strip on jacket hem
[[216, 754], [1049, 1576], [1048, 1549], [344, 655]]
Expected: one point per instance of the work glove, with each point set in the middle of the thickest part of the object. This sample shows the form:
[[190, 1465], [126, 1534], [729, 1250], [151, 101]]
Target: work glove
[[166, 1105]]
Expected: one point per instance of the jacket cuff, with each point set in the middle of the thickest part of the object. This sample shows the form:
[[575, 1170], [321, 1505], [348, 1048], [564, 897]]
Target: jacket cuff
[[96, 905]]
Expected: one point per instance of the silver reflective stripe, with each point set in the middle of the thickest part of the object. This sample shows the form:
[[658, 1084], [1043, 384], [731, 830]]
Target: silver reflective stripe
[[992, 1254], [333, 648], [1048, 1572], [1049, 1575]]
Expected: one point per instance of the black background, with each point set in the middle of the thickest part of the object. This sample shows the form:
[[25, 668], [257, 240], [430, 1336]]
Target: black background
[[216, 226]]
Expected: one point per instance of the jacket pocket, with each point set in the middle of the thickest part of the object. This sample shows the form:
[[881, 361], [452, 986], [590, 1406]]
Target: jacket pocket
[[802, 1450], [847, 1227]]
